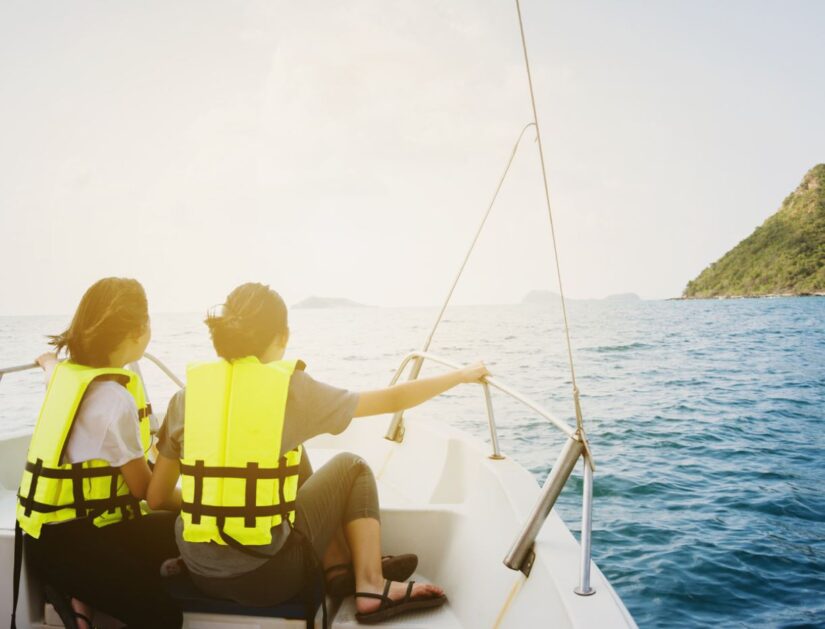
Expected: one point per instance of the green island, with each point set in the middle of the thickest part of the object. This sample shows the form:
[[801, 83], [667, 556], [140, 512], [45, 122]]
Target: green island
[[783, 256]]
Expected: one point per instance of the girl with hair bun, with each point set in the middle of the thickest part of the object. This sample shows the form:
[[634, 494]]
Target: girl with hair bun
[[79, 501], [253, 513]]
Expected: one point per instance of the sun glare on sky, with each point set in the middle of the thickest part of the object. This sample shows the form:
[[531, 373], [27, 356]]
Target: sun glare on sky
[[349, 149]]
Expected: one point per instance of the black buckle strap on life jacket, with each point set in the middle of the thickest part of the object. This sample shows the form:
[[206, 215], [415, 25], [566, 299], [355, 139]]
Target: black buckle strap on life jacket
[[231, 541], [36, 471], [282, 482], [77, 491], [95, 506], [251, 496], [242, 511], [18, 566], [251, 473], [84, 507], [113, 492], [144, 412], [199, 469], [198, 472]]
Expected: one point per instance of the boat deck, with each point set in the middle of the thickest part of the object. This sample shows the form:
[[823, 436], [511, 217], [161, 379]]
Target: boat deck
[[442, 498]]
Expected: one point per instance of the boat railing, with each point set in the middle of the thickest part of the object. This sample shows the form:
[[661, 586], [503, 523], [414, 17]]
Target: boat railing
[[153, 359], [169, 373], [521, 554]]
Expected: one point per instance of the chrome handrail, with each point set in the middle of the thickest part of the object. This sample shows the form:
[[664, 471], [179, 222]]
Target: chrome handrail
[[521, 554], [153, 359], [156, 361], [493, 382], [16, 368]]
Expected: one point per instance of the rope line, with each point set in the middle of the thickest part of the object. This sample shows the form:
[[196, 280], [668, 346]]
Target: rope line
[[579, 422], [475, 238]]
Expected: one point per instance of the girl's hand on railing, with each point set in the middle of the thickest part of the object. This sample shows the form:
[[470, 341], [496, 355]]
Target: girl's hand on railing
[[47, 361], [474, 373]]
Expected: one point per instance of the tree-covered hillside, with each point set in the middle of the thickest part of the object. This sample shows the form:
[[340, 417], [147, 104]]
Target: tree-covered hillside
[[784, 255]]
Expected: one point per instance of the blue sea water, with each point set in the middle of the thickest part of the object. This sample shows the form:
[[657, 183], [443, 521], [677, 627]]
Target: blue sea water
[[706, 420]]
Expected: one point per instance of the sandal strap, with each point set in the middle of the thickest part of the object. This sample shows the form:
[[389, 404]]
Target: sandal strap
[[385, 599], [84, 618]]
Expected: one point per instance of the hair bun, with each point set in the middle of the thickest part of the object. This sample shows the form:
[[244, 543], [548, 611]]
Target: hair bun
[[251, 318]]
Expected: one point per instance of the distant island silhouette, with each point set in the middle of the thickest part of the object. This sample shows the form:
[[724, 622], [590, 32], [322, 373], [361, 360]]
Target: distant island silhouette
[[623, 297], [328, 302], [783, 256], [544, 297]]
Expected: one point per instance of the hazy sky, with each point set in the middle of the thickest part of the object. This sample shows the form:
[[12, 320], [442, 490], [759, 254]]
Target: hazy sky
[[350, 148]]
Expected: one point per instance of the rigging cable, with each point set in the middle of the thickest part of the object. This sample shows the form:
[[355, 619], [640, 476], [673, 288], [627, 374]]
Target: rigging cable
[[579, 421], [396, 430]]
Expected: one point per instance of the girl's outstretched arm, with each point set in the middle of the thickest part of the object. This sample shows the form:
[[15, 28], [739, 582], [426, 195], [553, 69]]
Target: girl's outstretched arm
[[136, 473], [408, 394]]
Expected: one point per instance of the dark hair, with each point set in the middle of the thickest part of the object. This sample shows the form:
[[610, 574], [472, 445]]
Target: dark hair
[[251, 318], [111, 310]]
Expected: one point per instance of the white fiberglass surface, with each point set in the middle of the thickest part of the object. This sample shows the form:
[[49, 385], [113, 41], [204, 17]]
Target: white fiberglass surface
[[444, 499]]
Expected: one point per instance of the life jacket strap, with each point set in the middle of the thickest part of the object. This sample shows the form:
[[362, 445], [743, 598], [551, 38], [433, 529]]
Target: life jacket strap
[[243, 511], [252, 472], [77, 491], [83, 507], [16, 570], [76, 471], [36, 471], [93, 506], [231, 541]]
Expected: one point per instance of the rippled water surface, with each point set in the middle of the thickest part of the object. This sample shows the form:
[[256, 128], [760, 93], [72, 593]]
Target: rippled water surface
[[705, 417]]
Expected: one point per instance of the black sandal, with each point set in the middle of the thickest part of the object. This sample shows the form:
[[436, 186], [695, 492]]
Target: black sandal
[[394, 568], [390, 608], [63, 606]]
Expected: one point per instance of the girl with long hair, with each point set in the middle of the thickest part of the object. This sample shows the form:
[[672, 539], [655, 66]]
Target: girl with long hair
[[87, 536]]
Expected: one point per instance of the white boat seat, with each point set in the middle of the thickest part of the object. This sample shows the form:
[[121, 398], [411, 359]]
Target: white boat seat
[[8, 510]]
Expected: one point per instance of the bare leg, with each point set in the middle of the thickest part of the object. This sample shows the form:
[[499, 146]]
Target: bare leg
[[337, 552], [364, 537]]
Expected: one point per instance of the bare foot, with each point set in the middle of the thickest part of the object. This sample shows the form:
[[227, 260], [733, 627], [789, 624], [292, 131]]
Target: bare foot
[[172, 567], [79, 607], [365, 605]]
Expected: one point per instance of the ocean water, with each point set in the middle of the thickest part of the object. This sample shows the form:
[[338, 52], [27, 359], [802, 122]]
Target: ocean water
[[706, 420]]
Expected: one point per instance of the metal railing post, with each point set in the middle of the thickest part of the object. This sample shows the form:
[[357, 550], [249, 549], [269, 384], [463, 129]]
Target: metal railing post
[[395, 431], [491, 420], [521, 555], [584, 588]]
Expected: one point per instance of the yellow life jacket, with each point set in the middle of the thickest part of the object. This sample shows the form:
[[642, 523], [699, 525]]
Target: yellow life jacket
[[54, 491], [235, 486]]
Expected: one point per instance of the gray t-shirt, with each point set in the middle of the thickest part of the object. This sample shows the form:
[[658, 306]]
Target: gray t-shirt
[[312, 408]]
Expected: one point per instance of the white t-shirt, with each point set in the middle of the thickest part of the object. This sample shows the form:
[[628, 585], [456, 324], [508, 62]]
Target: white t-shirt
[[106, 426]]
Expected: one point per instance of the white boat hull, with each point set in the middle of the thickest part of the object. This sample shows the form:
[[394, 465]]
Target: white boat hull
[[443, 498]]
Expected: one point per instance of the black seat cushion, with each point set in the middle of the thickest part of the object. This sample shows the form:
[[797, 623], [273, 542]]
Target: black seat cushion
[[191, 599]]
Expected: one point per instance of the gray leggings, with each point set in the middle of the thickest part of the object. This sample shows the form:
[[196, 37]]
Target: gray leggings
[[342, 490]]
